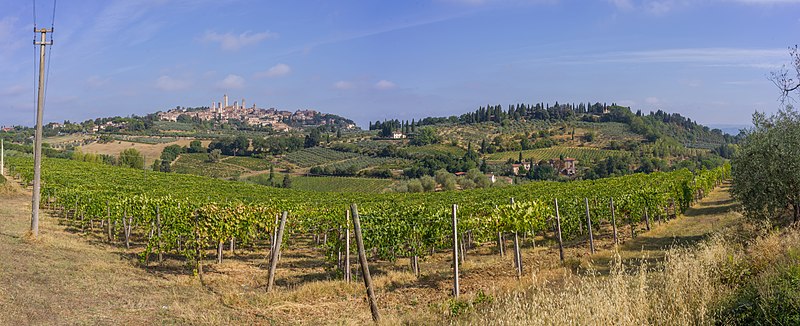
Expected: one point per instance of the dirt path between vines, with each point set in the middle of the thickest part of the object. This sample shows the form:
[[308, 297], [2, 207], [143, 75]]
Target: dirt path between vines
[[67, 277]]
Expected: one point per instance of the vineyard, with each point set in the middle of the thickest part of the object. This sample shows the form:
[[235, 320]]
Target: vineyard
[[340, 184], [363, 162], [435, 149], [579, 153], [185, 216], [317, 156], [196, 163], [252, 163]]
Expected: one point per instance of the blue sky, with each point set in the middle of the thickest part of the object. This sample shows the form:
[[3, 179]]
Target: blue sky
[[370, 60]]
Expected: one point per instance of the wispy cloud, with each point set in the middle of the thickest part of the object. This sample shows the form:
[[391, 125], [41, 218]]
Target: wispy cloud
[[343, 85], [96, 81], [622, 4], [167, 83], [659, 7], [231, 82], [384, 85], [233, 42], [15, 90], [710, 57], [766, 2], [278, 70]]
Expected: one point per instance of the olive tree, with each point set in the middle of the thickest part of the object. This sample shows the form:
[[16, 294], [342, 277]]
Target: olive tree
[[766, 171]]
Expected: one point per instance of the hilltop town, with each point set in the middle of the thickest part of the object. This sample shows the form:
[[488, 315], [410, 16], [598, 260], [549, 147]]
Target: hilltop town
[[254, 116]]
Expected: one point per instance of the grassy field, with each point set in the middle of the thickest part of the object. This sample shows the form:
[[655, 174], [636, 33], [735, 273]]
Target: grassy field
[[579, 153], [103, 283], [196, 164]]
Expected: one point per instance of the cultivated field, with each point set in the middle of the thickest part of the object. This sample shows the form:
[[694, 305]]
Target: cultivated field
[[77, 270], [579, 153]]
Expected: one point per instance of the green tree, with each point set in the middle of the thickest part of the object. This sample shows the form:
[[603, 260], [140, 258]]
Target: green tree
[[240, 145], [131, 158], [588, 137], [425, 136], [164, 166], [766, 171], [428, 183], [414, 185], [214, 156], [287, 181], [271, 175], [312, 139], [196, 147]]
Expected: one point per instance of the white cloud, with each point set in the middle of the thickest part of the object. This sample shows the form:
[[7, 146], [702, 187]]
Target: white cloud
[[384, 85], [709, 57], [278, 70], [167, 83], [343, 85], [652, 100], [96, 81], [231, 82], [232, 42], [15, 90], [766, 2], [622, 4]]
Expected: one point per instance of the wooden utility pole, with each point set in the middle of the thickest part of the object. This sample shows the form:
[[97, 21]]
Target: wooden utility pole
[[37, 153]]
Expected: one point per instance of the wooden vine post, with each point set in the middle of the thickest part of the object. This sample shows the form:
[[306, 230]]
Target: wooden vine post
[[197, 248], [362, 259], [126, 225], [158, 229], [276, 249], [108, 217], [455, 251], [558, 228], [589, 223], [646, 219], [517, 254], [347, 275], [614, 221]]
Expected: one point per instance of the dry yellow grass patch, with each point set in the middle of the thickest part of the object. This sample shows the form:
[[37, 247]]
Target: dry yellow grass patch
[[151, 152]]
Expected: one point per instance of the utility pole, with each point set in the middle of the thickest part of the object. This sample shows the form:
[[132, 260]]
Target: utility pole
[[37, 153]]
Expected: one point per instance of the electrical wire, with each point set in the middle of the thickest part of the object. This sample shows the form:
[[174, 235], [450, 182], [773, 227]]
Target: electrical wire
[[47, 73]]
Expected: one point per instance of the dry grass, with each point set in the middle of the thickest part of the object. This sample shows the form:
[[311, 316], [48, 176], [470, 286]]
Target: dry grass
[[150, 151], [683, 291]]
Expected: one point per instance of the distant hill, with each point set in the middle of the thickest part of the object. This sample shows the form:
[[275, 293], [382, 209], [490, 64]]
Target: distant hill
[[652, 126], [730, 129]]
